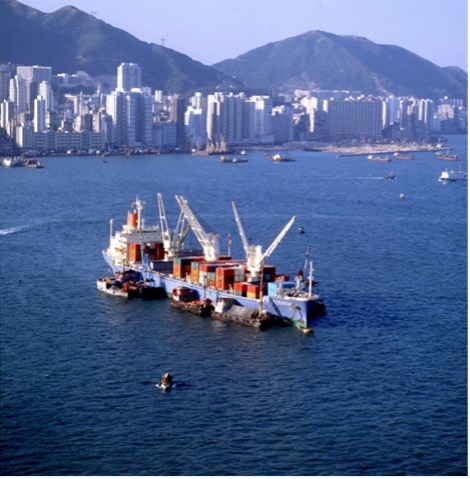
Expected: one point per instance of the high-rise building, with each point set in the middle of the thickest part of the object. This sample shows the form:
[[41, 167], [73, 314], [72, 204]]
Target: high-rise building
[[177, 107], [116, 109], [45, 91], [195, 121], [129, 76], [5, 76], [132, 117], [18, 93], [259, 119], [39, 121], [355, 118], [225, 118]]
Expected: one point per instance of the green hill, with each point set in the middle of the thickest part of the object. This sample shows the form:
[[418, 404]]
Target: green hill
[[70, 40], [320, 60]]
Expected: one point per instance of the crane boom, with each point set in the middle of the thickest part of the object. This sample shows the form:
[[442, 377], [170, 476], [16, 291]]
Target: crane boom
[[246, 246], [254, 253], [166, 235], [208, 241], [172, 240], [279, 238]]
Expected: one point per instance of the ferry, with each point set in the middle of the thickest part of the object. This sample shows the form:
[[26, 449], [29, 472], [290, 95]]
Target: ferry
[[157, 253], [452, 175]]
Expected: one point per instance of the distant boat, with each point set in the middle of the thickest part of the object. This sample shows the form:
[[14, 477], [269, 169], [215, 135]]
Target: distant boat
[[380, 159], [403, 156], [228, 159], [389, 176], [33, 163], [277, 158], [447, 156], [12, 161], [452, 175]]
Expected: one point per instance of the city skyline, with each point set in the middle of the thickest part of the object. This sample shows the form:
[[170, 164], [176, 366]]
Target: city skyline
[[210, 31]]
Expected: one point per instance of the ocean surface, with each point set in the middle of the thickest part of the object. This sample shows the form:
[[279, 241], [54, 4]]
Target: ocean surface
[[379, 388]]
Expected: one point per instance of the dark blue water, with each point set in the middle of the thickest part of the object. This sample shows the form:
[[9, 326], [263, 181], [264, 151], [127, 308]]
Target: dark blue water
[[380, 388]]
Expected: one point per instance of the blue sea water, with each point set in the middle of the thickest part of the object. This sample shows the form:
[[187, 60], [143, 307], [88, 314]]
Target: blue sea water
[[379, 388]]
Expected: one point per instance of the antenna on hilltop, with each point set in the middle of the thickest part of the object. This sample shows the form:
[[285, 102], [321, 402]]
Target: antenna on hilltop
[[94, 13], [163, 40]]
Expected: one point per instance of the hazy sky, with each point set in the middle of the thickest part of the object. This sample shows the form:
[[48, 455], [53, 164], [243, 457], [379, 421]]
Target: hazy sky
[[213, 30]]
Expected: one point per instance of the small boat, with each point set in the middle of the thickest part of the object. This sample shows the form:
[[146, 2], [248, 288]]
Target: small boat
[[403, 156], [112, 287], [33, 163], [228, 159], [166, 383], [380, 159], [277, 158], [389, 176], [452, 175], [447, 156], [129, 289], [12, 161], [185, 298]]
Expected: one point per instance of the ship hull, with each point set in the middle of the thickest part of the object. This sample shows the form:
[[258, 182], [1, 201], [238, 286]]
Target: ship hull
[[298, 310]]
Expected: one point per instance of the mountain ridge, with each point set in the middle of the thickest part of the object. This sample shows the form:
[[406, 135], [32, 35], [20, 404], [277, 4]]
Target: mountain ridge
[[70, 40], [323, 60]]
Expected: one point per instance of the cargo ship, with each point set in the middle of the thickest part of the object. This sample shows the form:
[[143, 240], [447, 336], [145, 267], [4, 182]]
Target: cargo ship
[[157, 253]]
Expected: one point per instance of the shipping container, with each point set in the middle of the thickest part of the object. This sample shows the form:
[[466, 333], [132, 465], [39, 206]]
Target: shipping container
[[274, 286], [134, 252]]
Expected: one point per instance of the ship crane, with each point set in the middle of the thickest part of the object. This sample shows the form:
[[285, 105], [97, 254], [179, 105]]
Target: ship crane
[[254, 253], [208, 241], [172, 240]]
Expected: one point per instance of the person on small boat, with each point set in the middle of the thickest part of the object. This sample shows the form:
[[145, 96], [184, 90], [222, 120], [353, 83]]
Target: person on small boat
[[166, 380]]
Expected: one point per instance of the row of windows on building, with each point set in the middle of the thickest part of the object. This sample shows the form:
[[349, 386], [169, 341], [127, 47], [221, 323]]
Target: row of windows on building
[[131, 116]]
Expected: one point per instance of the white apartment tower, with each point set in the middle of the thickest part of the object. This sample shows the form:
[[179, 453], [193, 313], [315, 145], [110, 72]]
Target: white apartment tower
[[45, 91], [18, 93], [39, 122], [129, 76]]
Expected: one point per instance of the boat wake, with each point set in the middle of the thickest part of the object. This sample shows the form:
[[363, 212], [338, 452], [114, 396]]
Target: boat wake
[[13, 230]]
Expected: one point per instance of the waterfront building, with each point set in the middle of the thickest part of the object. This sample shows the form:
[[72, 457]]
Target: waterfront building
[[282, 124], [225, 118], [176, 113], [195, 122], [258, 120], [351, 118]]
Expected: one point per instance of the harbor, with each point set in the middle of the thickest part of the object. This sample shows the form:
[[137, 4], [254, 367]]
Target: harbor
[[386, 364]]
